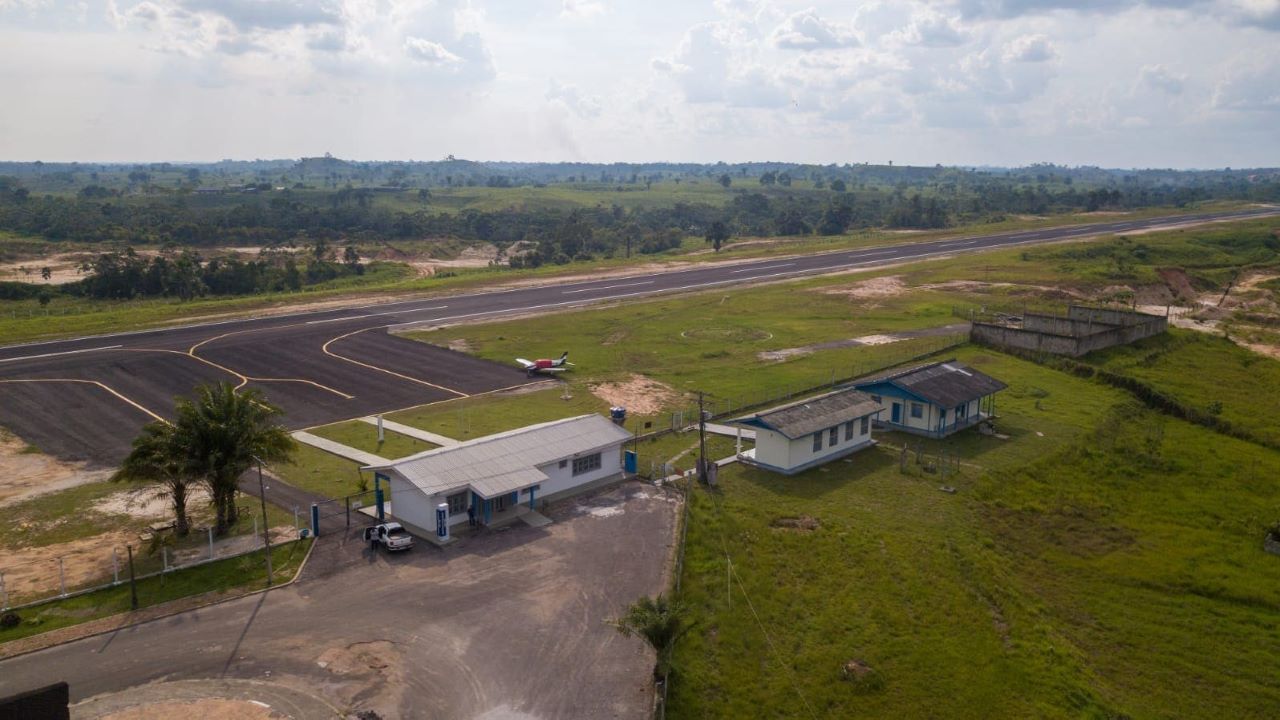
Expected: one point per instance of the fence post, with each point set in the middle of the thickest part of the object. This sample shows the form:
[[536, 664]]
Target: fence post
[[4, 594], [115, 566], [210, 542], [315, 520], [255, 525], [295, 519], [164, 557], [62, 577]]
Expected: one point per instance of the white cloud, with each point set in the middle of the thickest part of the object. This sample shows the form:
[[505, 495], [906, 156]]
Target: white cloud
[[806, 30], [1160, 78], [581, 8], [1030, 49], [931, 29], [429, 52], [580, 103]]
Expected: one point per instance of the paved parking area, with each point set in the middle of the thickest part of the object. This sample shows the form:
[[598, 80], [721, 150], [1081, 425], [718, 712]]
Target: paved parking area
[[507, 624]]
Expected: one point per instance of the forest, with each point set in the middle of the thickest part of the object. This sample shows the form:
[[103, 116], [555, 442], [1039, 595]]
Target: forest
[[553, 213]]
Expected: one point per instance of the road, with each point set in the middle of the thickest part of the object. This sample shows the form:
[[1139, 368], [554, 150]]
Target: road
[[85, 398], [507, 624]]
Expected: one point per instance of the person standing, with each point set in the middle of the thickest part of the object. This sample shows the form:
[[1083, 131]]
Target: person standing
[[471, 515]]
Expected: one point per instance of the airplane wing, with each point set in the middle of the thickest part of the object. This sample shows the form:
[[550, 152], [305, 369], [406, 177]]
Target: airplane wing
[[525, 363], [553, 369]]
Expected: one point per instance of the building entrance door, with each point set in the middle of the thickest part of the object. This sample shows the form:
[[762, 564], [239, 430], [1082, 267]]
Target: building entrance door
[[897, 413], [502, 502]]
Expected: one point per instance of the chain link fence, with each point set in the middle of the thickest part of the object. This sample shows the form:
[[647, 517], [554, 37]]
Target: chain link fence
[[79, 567]]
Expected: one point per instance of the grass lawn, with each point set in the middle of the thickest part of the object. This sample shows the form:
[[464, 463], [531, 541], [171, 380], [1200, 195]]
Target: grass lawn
[[223, 578], [363, 436], [1112, 567], [470, 418], [1243, 387], [323, 473]]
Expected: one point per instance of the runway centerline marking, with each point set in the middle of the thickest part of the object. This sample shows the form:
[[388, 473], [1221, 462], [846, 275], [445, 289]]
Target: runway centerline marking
[[327, 351], [55, 354], [104, 386], [608, 287], [767, 267]]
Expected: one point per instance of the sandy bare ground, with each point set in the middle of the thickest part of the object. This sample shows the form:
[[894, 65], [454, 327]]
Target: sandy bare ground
[[877, 287], [24, 475], [640, 395]]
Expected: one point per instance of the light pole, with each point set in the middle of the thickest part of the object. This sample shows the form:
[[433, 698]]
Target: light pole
[[266, 531]]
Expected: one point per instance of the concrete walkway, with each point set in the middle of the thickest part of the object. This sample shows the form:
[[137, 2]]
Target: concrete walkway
[[411, 431], [339, 449], [731, 431]]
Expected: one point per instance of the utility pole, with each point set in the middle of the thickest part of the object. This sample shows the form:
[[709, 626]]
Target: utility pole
[[133, 584], [266, 530], [702, 441]]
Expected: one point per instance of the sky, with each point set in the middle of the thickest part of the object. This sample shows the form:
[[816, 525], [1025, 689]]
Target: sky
[[1115, 83]]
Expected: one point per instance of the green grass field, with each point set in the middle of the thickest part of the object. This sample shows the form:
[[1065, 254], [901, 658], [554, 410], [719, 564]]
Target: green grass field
[[1109, 568]]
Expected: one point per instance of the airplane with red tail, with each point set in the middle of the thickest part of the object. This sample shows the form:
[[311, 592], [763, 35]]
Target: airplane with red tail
[[547, 366]]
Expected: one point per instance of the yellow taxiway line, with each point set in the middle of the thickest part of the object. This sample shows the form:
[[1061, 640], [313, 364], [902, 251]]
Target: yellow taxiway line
[[330, 353], [90, 382]]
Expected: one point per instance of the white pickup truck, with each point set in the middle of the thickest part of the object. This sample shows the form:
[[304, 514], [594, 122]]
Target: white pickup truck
[[391, 536]]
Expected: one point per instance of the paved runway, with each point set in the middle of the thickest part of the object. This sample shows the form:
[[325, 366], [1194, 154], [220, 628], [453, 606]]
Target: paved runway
[[86, 398]]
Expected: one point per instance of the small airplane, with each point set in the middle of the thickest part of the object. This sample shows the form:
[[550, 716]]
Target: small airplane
[[543, 365]]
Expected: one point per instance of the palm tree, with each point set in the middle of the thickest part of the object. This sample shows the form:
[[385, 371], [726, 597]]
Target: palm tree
[[224, 433], [659, 621], [157, 458]]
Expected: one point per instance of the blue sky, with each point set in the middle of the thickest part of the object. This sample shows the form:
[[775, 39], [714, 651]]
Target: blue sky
[[1165, 83]]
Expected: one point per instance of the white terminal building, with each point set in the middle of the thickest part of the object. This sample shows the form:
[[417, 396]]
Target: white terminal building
[[795, 437], [505, 475]]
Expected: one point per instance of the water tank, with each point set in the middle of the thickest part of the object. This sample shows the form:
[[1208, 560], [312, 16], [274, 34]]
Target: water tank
[[618, 415]]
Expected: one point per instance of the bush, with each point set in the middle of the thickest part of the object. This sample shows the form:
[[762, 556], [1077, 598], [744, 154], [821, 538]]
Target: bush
[[9, 620]]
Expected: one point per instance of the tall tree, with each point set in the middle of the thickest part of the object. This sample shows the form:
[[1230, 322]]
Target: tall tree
[[159, 459], [223, 432], [717, 234]]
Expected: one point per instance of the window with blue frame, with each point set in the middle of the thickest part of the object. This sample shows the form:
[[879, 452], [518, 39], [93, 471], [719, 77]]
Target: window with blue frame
[[866, 424], [586, 464], [917, 410], [817, 441]]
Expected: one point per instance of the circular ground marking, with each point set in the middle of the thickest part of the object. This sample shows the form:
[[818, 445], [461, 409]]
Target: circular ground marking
[[727, 334]]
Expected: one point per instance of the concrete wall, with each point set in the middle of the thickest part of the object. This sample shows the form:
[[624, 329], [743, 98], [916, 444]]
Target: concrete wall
[[414, 508], [1082, 331], [562, 478]]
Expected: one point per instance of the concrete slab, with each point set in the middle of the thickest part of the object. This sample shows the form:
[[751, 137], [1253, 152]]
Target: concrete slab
[[535, 519], [730, 430], [411, 431], [339, 449]]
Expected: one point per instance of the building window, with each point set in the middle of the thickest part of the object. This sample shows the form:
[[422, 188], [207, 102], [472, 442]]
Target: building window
[[877, 398], [917, 410], [817, 441], [564, 464], [457, 503], [532, 489], [866, 424], [962, 411], [586, 464], [833, 436], [848, 430]]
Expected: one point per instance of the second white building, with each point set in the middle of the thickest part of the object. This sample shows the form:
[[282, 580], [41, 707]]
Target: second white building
[[795, 437]]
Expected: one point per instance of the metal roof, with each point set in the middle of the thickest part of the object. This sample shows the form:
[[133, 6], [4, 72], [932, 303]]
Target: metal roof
[[945, 384], [804, 417], [497, 464]]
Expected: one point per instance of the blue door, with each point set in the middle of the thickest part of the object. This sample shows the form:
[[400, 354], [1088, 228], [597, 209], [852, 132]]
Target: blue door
[[897, 413]]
